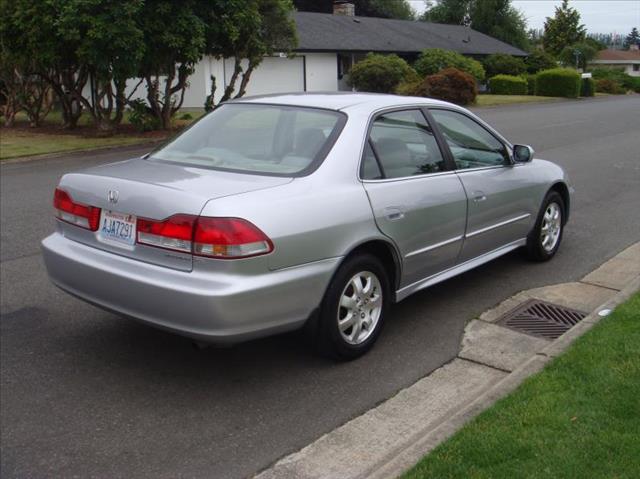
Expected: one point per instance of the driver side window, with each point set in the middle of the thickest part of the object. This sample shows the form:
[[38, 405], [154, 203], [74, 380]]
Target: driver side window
[[471, 144]]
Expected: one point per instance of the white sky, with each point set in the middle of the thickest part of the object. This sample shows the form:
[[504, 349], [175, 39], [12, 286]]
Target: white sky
[[599, 16]]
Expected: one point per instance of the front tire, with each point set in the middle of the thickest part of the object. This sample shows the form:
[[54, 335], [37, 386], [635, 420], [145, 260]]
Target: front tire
[[544, 240], [353, 309]]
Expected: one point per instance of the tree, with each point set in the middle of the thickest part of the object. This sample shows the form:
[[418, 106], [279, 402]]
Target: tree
[[174, 33], [249, 30], [432, 60], [109, 45], [539, 60], [632, 39], [563, 29], [500, 63], [577, 55], [497, 18], [30, 31], [399, 9]]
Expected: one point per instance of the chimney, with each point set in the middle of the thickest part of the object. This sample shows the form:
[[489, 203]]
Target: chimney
[[340, 7]]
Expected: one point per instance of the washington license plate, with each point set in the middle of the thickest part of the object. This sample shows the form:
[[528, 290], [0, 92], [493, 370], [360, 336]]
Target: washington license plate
[[117, 228]]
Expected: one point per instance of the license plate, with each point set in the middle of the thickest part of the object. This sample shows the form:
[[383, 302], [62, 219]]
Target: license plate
[[117, 228]]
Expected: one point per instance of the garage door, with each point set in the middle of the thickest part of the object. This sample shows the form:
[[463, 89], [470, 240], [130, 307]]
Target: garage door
[[274, 75]]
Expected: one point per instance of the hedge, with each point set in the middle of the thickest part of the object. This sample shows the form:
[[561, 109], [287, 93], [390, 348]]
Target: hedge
[[623, 79], [563, 82], [588, 87], [507, 85], [380, 73], [605, 85], [503, 64]]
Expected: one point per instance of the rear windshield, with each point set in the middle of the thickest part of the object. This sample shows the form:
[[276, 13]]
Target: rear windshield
[[250, 138]]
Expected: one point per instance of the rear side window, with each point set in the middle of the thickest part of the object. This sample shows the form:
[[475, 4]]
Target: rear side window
[[405, 145], [253, 138], [470, 143]]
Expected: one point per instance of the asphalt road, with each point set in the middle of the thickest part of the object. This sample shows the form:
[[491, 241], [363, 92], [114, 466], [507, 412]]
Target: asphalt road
[[85, 393]]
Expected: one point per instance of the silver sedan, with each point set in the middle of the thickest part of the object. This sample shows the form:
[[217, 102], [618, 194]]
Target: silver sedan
[[304, 210]]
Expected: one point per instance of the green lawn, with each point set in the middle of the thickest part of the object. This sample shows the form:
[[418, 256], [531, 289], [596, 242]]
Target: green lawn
[[495, 100], [16, 143], [578, 418]]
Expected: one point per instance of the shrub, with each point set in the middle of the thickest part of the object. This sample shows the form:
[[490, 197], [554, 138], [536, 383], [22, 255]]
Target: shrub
[[380, 73], [605, 85], [186, 116], [538, 61], [563, 82], [141, 116], [502, 64], [507, 85], [408, 88], [636, 84], [433, 60], [588, 87], [623, 79], [531, 83], [450, 85]]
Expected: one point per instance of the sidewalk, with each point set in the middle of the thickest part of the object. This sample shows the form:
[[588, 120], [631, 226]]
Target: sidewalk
[[493, 360]]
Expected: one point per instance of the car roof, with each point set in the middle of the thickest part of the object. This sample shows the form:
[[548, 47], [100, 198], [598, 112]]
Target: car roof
[[340, 100]]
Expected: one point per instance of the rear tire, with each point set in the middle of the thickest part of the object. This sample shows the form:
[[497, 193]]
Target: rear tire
[[545, 237], [353, 309]]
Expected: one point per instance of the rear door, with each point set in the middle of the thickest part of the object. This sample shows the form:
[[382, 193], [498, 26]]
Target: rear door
[[501, 195], [417, 199]]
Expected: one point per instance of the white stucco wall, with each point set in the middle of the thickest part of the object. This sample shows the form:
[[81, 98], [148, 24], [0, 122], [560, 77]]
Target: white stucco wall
[[274, 75]]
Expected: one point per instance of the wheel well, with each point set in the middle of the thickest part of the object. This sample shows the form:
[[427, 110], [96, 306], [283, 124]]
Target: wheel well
[[386, 253], [562, 189]]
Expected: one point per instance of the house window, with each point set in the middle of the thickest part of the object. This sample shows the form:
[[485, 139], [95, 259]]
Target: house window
[[636, 67]]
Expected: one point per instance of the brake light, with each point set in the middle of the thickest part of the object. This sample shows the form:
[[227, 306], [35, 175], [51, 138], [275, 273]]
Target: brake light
[[176, 232], [78, 214], [223, 238], [229, 238]]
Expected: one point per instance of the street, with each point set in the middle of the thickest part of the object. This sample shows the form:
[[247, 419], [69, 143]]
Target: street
[[85, 393]]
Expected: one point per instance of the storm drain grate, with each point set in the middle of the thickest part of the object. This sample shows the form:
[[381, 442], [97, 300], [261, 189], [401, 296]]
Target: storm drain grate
[[542, 319]]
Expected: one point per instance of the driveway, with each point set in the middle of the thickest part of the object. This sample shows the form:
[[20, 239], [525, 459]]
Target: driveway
[[86, 393]]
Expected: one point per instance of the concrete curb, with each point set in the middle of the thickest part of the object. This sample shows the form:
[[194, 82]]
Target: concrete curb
[[493, 361], [427, 442], [67, 154]]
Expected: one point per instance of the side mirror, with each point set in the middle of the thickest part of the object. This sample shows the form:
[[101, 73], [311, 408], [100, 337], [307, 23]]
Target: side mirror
[[522, 153]]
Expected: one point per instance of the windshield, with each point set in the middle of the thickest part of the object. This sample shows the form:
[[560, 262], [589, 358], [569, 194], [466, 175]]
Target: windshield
[[253, 138]]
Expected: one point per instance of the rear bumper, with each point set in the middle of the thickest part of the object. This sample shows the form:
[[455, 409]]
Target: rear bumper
[[208, 306]]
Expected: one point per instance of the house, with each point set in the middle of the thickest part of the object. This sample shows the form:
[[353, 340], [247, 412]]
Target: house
[[328, 44], [626, 60]]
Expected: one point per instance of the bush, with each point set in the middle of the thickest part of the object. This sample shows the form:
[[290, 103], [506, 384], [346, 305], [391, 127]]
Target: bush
[[141, 117], [186, 116], [563, 82], [433, 60], [605, 85], [380, 73], [623, 79], [636, 84], [588, 87], [531, 83], [450, 85], [538, 61], [507, 85], [502, 64]]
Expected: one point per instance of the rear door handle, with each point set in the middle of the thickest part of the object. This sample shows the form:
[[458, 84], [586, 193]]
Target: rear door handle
[[393, 214]]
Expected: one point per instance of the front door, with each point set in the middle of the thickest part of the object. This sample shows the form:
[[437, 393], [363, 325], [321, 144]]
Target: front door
[[501, 195], [417, 199]]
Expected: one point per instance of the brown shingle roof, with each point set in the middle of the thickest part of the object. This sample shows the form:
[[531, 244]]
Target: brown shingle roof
[[619, 55]]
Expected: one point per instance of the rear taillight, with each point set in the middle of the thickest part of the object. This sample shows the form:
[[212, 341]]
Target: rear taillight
[[229, 238], [224, 238], [174, 233], [78, 214]]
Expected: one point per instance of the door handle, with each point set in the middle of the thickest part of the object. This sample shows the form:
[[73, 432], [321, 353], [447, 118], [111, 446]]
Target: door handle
[[393, 214], [479, 196]]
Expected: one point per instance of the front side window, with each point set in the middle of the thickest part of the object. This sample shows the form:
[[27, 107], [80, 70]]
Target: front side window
[[404, 144], [470, 143], [253, 138]]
